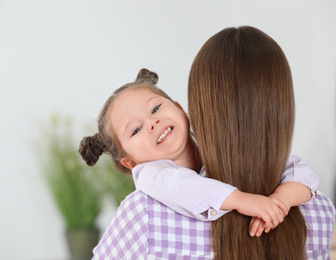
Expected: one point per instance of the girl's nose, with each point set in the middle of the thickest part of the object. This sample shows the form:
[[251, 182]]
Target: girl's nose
[[152, 124]]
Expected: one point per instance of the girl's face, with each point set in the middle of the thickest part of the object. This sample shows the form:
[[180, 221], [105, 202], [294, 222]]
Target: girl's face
[[149, 126]]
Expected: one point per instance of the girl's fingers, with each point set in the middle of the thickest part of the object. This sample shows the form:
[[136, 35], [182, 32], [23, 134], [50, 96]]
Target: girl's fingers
[[260, 229], [281, 205], [254, 224], [280, 217], [267, 219], [276, 217]]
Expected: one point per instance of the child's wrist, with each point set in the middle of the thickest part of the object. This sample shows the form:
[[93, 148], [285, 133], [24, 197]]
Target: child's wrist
[[232, 202], [237, 199], [283, 199]]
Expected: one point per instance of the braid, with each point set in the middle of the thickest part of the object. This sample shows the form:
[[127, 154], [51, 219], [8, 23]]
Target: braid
[[91, 148]]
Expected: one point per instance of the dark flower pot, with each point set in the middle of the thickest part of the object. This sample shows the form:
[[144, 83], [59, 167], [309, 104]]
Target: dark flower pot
[[81, 241]]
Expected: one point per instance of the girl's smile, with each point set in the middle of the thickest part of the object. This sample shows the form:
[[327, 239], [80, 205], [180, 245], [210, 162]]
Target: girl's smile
[[164, 134]]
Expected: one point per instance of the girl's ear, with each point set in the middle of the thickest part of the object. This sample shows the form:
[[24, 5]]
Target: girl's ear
[[128, 163], [178, 105]]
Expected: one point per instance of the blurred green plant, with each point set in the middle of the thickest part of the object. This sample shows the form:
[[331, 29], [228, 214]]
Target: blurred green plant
[[78, 190], [117, 185]]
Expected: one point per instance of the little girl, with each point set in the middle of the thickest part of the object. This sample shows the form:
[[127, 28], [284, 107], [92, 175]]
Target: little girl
[[146, 132]]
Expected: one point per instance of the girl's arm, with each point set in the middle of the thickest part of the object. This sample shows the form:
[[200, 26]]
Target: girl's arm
[[188, 193], [182, 189], [298, 186], [297, 172]]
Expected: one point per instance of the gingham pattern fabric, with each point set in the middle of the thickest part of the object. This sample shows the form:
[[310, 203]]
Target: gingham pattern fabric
[[143, 228], [175, 236], [320, 218], [127, 235]]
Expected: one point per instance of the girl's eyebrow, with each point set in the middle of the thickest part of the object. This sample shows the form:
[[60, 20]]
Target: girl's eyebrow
[[152, 98]]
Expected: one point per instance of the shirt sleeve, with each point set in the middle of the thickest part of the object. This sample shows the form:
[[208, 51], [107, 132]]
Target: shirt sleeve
[[299, 170], [126, 236], [182, 189]]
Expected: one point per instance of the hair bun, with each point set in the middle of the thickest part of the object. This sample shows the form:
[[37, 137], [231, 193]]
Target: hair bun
[[147, 76], [91, 149]]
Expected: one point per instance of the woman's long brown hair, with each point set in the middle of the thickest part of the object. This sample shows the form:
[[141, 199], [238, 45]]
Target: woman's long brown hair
[[241, 106]]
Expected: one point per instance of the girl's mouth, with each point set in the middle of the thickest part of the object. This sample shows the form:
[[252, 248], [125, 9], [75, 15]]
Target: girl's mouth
[[164, 134]]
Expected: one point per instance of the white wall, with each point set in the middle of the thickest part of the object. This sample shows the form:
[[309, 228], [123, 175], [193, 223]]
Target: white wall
[[70, 55]]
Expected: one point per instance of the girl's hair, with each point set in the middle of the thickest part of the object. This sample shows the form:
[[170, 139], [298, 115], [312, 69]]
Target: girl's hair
[[106, 141], [241, 106]]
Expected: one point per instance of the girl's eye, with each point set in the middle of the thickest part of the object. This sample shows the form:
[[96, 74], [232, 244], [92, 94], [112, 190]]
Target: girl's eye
[[156, 109], [136, 130]]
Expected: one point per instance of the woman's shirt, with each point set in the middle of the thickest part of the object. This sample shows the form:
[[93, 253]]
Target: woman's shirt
[[144, 228]]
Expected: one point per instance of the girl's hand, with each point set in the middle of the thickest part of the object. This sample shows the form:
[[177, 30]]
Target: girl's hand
[[258, 226], [270, 210], [288, 194]]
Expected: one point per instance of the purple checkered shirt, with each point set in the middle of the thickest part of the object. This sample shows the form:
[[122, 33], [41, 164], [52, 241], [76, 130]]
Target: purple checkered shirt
[[143, 228]]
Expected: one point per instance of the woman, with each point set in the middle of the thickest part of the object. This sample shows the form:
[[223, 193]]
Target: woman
[[241, 83], [242, 112]]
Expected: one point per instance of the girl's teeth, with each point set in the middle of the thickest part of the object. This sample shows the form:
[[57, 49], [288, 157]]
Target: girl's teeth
[[164, 134]]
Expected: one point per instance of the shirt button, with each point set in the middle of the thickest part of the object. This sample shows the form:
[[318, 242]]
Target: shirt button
[[213, 212]]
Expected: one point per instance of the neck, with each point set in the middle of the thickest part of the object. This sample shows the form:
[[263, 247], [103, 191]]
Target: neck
[[191, 158]]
